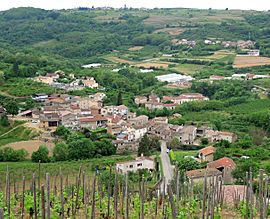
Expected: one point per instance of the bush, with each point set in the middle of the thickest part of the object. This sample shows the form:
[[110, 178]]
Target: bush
[[42, 155], [60, 152], [4, 121], [11, 155]]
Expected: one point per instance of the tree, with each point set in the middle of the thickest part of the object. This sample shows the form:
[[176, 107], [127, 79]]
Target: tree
[[144, 146], [81, 148], [62, 131], [220, 152], [205, 141], [42, 155], [4, 121], [186, 164], [174, 143], [15, 69], [12, 108], [119, 98], [60, 152], [244, 166], [148, 145], [11, 155]]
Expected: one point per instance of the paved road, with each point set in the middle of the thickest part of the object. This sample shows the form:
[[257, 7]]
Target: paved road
[[166, 165]]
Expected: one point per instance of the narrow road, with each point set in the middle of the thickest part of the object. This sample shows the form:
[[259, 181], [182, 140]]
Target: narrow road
[[166, 165]]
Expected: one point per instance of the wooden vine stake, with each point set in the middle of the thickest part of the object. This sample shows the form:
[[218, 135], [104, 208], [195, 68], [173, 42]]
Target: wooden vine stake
[[94, 198], [34, 196], [23, 191], [115, 196], [62, 195], [48, 195], [126, 194], [1, 213], [43, 207], [109, 193]]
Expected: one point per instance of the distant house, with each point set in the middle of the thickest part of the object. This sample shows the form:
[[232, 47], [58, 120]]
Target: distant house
[[93, 122], [121, 110], [41, 97], [187, 97], [216, 77], [187, 134], [174, 78], [140, 100], [135, 165], [90, 83], [207, 154], [215, 136], [226, 166], [254, 52], [2, 111], [93, 65], [139, 120], [198, 175]]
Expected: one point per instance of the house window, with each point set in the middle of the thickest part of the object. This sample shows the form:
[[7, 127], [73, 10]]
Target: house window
[[139, 164], [130, 166]]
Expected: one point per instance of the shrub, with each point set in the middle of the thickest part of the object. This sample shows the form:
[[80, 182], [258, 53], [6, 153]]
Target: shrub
[[60, 152], [42, 155]]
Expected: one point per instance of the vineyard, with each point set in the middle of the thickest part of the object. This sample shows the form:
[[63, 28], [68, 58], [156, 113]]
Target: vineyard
[[107, 194]]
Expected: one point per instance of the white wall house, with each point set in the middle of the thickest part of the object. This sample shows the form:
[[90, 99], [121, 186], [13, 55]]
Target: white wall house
[[135, 165]]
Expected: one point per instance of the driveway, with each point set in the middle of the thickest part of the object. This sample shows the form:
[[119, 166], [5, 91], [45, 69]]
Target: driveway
[[166, 165]]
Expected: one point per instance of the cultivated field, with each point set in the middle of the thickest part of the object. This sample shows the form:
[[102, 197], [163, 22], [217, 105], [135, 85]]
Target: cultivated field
[[249, 61], [171, 31], [135, 48], [30, 146]]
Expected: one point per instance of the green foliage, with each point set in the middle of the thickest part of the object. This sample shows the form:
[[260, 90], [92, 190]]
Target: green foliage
[[243, 166], [12, 108], [62, 132], [187, 164], [60, 152], [10, 155], [148, 145], [41, 155], [4, 121]]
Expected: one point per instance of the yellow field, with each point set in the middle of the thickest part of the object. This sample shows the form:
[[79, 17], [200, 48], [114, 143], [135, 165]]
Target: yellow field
[[250, 61], [135, 48], [171, 31]]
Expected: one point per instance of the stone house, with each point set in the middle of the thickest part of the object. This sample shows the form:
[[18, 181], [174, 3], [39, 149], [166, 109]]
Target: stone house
[[93, 122], [207, 154], [226, 166], [197, 176], [139, 120], [215, 136], [140, 100]]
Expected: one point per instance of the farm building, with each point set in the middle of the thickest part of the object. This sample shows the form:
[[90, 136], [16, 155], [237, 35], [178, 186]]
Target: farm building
[[173, 78]]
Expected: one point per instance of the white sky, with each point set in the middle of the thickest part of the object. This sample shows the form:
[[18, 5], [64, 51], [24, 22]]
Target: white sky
[[60, 4]]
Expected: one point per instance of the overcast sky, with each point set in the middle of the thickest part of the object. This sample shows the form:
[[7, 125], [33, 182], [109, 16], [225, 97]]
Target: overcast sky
[[60, 4]]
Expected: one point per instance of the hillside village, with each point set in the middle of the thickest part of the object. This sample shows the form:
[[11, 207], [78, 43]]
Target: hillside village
[[166, 106]]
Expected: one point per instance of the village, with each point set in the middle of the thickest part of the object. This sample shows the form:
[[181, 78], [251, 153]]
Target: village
[[89, 112]]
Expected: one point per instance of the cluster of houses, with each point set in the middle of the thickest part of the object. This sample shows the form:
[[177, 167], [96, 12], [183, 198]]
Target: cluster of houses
[[247, 76], [67, 82], [222, 167], [189, 43], [153, 102], [240, 44], [78, 113]]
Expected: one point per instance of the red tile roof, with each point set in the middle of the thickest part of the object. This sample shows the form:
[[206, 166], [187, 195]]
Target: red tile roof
[[93, 119], [222, 162], [207, 150], [199, 173]]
